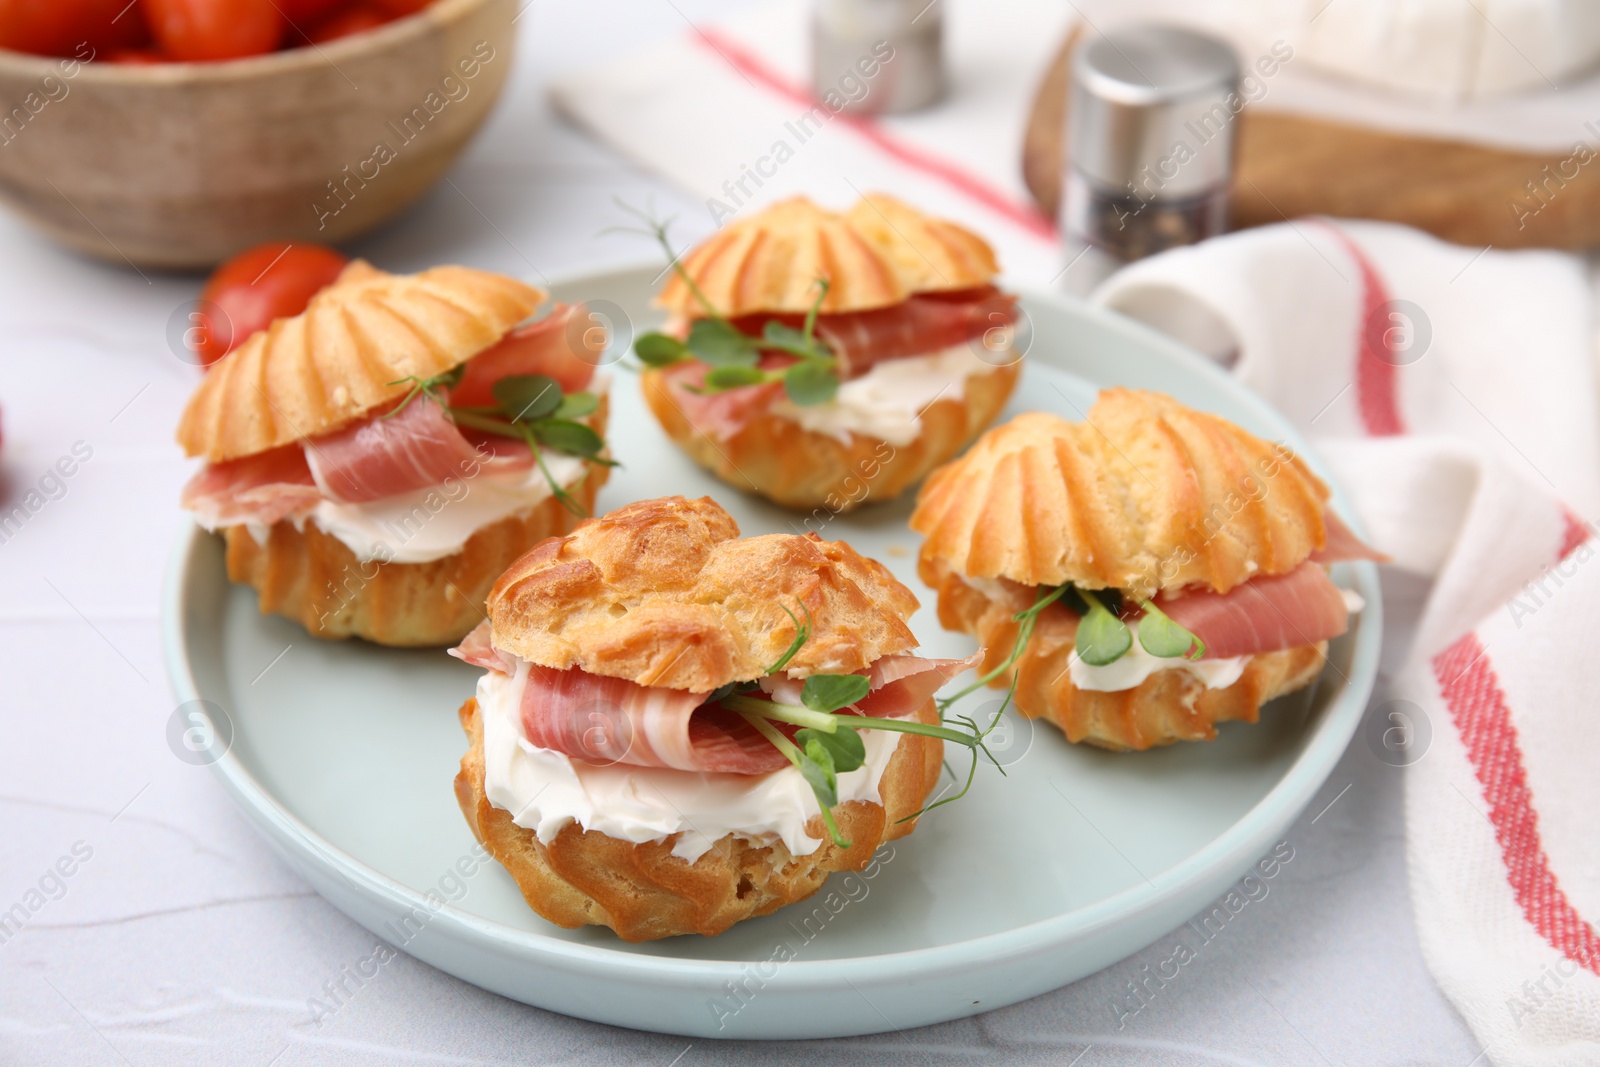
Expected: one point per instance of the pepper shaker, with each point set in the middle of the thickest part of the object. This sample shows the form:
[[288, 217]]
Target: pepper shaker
[[877, 57], [1150, 145]]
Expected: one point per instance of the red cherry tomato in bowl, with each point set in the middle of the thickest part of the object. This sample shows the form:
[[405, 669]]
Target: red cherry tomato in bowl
[[198, 31], [397, 8], [134, 57], [84, 29], [303, 14], [270, 281], [358, 19]]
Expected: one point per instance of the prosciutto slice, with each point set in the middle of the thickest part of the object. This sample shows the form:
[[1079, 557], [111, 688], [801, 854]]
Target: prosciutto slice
[[917, 326], [1264, 614], [717, 415], [1341, 545], [921, 325], [559, 346], [900, 684], [722, 741], [417, 447], [265, 488], [477, 649], [612, 720], [421, 447], [609, 720]]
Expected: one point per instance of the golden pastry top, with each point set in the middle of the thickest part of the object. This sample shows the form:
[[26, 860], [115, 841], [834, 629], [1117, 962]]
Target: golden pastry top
[[664, 592], [875, 255], [345, 354], [1145, 494], [930, 254]]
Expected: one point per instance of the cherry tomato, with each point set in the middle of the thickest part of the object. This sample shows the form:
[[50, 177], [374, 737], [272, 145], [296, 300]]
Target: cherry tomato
[[270, 281], [303, 14], [353, 20], [84, 29], [134, 57], [203, 30], [396, 8]]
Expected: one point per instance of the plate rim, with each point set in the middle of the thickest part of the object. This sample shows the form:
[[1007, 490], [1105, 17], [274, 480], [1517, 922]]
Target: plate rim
[[1292, 792]]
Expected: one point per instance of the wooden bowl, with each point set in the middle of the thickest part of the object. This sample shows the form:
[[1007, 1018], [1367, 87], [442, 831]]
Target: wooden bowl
[[181, 165]]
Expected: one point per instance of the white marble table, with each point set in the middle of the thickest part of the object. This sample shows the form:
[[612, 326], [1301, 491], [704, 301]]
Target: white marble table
[[179, 937]]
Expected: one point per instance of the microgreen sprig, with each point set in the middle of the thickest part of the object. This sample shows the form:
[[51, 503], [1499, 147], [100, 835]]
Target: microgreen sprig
[[1104, 638], [733, 356], [1026, 620], [433, 388], [829, 742], [528, 407], [1159, 635], [1162, 637]]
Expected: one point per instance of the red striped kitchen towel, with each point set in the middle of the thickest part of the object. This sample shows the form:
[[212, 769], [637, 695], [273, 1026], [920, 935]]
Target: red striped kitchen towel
[[1453, 390]]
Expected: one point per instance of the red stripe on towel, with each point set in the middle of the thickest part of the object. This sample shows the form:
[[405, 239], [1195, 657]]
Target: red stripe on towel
[[1377, 395], [969, 185], [1483, 719]]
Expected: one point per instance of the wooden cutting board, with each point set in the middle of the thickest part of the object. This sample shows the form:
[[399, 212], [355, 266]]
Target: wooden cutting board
[[1291, 165]]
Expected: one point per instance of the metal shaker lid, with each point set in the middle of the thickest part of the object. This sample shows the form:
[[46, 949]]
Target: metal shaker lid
[[1154, 107], [878, 56]]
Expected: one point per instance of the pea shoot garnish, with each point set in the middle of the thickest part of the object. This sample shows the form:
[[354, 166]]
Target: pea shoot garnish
[[829, 744], [528, 407], [1162, 637], [434, 388], [733, 356], [1102, 637]]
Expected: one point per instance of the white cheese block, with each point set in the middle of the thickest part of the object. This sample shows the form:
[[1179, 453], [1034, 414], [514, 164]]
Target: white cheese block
[[1450, 50]]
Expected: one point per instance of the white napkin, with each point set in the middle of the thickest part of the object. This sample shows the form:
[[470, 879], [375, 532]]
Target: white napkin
[[722, 112], [1464, 423]]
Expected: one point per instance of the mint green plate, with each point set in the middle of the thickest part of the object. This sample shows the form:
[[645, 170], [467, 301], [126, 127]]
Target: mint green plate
[[343, 755]]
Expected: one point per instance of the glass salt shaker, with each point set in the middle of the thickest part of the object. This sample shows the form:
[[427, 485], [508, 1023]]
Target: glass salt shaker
[[1150, 146], [877, 57]]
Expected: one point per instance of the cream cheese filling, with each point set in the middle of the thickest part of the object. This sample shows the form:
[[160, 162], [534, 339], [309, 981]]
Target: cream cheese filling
[[1135, 665], [546, 791], [887, 402], [436, 521]]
